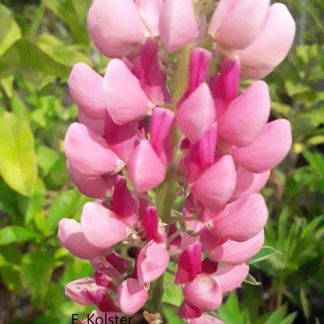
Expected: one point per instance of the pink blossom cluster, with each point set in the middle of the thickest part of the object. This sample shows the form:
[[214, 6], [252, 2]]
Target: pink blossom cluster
[[141, 145]]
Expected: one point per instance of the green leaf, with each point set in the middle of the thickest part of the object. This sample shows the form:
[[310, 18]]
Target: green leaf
[[264, 254], [171, 315], [36, 272], [250, 280], [18, 165], [46, 159], [14, 234], [27, 57], [279, 316], [65, 205], [9, 30], [230, 311]]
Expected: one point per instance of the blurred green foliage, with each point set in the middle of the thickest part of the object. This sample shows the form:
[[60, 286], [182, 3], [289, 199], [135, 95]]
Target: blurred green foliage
[[39, 43]]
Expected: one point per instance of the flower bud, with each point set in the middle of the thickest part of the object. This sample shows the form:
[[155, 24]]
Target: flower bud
[[268, 149], [216, 185], [246, 115], [88, 153], [178, 25], [101, 227], [196, 114], [241, 219], [236, 23], [116, 27], [85, 86], [123, 107]]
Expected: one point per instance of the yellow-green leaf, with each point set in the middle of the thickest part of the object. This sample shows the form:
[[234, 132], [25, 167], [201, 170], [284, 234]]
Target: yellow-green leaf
[[18, 165]]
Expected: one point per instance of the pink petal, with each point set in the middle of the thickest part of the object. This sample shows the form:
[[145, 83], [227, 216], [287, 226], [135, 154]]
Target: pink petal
[[123, 204], [268, 149], [96, 125], [224, 86], [76, 289], [272, 44], [216, 185], [149, 73], [123, 107], [72, 238], [232, 252], [201, 155], [131, 296], [85, 87], [245, 117], [145, 169], [121, 139], [199, 61], [189, 264], [205, 319], [149, 11], [100, 227], [150, 224], [203, 292], [196, 114], [88, 153], [235, 24], [160, 129], [231, 277], [241, 219], [248, 182], [116, 27], [188, 311], [93, 187], [178, 26], [152, 261]]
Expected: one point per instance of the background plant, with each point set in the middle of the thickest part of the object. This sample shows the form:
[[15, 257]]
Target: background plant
[[39, 43]]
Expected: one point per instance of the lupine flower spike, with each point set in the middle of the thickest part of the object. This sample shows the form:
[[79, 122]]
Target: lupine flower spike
[[174, 151]]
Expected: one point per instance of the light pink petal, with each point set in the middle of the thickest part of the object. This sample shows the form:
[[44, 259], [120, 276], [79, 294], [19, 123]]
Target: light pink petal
[[246, 115], [85, 86], [123, 204], [241, 219], [272, 44], [232, 252], [131, 296], [88, 153], [149, 11], [116, 27], [216, 185], [96, 125], [145, 169], [268, 149], [231, 277], [76, 290], [100, 227], [123, 107], [94, 186], [196, 114], [205, 319], [178, 26], [152, 261], [72, 238], [236, 24], [203, 292], [248, 182]]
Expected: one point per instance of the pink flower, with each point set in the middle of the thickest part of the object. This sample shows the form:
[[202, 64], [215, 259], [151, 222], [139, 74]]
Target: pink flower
[[178, 26]]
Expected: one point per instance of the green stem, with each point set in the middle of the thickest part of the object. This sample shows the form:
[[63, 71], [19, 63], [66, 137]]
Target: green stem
[[165, 195]]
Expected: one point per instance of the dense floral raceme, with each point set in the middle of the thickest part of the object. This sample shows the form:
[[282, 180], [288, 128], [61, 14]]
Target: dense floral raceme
[[174, 150]]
